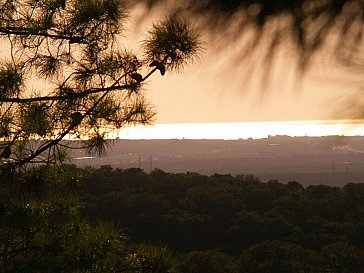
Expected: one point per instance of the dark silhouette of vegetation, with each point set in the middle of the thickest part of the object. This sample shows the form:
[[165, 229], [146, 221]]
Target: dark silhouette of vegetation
[[306, 25], [42, 230], [66, 219], [222, 223], [66, 74]]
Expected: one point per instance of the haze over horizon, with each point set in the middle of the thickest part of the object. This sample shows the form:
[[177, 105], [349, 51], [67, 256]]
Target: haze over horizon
[[244, 130]]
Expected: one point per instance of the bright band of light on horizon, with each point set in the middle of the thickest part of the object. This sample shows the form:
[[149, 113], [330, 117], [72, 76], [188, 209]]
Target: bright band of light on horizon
[[243, 130]]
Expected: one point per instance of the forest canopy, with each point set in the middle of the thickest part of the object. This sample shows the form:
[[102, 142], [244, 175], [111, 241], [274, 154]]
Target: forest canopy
[[224, 223]]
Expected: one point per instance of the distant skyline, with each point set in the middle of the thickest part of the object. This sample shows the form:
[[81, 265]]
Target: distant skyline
[[244, 130]]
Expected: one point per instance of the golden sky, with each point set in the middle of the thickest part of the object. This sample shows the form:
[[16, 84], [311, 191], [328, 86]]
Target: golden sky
[[220, 87], [223, 87]]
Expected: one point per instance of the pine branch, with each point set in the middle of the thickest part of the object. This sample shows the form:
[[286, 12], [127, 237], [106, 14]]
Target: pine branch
[[21, 31]]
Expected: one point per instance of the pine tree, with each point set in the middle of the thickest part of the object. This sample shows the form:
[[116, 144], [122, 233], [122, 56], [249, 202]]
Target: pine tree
[[93, 84], [68, 76]]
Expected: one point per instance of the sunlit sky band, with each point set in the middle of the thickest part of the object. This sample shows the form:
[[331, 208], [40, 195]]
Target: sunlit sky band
[[244, 130]]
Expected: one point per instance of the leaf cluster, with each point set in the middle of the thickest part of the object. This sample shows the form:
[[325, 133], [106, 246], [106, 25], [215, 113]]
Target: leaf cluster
[[173, 42]]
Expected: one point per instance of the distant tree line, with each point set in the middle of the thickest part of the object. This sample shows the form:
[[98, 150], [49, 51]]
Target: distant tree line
[[224, 223]]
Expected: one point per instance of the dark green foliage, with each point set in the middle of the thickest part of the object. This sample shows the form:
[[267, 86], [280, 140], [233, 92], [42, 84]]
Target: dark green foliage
[[247, 228], [278, 257], [295, 186], [41, 229], [222, 223], [341, 257], [151, 259], [210, 222], [201, 262]]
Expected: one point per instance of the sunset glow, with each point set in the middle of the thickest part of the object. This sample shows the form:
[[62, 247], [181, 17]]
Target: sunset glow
[[244, 130]]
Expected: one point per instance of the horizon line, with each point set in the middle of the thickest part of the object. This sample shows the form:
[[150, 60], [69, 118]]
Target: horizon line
[[243, 130]]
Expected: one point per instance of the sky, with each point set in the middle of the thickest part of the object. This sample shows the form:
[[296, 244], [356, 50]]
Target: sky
[[224, 89], [220, 89], [244, 130]]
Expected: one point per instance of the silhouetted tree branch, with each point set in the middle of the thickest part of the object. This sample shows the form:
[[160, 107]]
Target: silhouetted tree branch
[[93, 85], [308, 25]]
